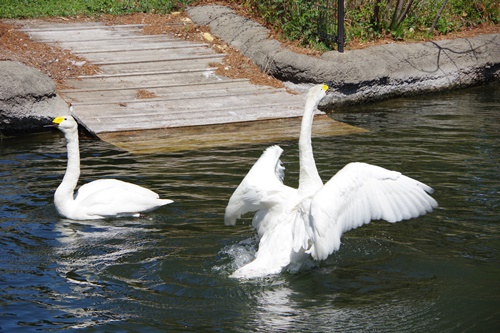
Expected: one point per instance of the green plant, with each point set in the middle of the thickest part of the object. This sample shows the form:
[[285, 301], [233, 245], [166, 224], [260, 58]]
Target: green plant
[[304, 21], [372, 19], [47, 8]]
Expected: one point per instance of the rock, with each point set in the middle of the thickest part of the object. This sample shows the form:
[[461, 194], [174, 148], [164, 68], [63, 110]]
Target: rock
[[208, 37], [361, 76], [28, 99]]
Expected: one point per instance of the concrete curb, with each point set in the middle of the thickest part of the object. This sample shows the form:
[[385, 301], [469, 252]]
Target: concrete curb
[[361, 76]]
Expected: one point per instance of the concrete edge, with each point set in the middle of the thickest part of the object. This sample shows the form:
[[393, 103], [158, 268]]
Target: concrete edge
[[361, 76]]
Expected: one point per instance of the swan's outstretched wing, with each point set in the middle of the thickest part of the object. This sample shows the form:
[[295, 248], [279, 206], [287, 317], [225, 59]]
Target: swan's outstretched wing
[[358, 194], [112, 197], [261, 188]]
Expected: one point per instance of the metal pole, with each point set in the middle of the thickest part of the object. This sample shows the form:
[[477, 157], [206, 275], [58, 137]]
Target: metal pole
[[340, 26]]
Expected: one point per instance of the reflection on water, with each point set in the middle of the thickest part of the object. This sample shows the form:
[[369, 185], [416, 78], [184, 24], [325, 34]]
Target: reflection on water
[[168, 271], [87, 252]]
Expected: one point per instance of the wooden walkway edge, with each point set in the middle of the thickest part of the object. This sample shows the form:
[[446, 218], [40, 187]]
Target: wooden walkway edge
[[186, 92]]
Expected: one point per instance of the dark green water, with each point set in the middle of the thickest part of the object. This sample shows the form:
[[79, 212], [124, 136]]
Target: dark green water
[[168, 271]]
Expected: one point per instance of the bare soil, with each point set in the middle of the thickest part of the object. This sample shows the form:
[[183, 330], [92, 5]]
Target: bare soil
[[62, 65]]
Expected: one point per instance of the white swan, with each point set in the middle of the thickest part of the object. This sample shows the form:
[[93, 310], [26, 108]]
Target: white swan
[[101, 198], [293, 223]]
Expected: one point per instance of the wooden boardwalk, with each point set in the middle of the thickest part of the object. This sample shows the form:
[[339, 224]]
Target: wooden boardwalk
[[186, 92]]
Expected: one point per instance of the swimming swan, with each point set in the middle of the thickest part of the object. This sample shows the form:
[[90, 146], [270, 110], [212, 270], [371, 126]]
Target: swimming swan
[[101, 198], [294, 223]]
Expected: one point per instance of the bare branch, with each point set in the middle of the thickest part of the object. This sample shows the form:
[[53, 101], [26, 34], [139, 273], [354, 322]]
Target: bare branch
[[438, 15], [403, 15]]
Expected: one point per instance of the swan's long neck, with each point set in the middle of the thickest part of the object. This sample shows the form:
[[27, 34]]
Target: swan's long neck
[[63, 196], [309, 179]]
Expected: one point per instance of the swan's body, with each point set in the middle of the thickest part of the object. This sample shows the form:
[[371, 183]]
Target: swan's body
[[293, 223], [101, 198]]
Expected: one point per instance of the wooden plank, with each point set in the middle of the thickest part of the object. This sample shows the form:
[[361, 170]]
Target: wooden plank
[[202, 101], [131, 45], [171, 109], [101, 120], [124, 39], [187, 103], [125, 56], [161, 65], [141, 81], [232, 134], [176, 85], [81, 35], [163, 93], [32, 24], [184, 84], [168, 72], [77, 27], [178, 57]]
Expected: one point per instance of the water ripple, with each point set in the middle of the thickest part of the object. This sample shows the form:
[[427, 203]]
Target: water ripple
[[169, 271]]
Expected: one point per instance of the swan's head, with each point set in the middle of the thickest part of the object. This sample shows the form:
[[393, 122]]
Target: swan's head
[[65, 124], [318, 92]]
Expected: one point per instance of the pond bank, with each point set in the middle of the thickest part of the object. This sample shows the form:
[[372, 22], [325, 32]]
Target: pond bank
[[359, 76], [366, 75]]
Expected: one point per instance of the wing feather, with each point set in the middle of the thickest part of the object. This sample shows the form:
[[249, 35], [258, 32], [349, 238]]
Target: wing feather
[[90, 189], [261, 188], [111, 197], [360, 193]]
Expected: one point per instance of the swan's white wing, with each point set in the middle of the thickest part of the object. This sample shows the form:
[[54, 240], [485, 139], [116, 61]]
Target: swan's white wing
[[112, 197], [358, 194], [90, 189], [261, 188]]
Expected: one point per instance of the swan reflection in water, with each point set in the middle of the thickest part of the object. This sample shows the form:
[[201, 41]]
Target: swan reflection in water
[[95, 259], [100, 244], [282, 307]]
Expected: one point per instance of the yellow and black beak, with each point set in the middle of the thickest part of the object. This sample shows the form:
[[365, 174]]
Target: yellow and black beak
[[58, 120], [327, 87], [55, 122]]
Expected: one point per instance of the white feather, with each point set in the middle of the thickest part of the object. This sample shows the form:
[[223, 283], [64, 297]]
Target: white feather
[[101, 198], [358, 194], [292, 223]]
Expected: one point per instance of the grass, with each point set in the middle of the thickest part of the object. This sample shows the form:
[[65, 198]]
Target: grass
[[15, 9]]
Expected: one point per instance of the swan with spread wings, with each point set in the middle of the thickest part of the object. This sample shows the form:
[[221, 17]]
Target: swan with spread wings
[[309, 221]]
